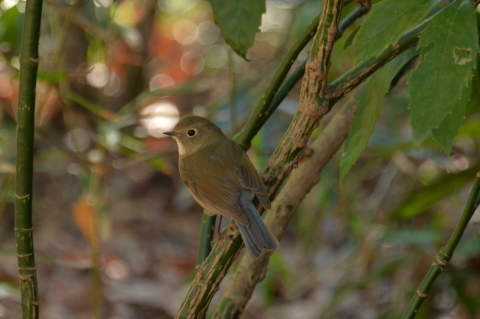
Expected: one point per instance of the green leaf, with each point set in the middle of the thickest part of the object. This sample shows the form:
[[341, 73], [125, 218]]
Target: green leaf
[[52, 77], [386, 23], [448, 129], [238, 21], [369, 110], [438, 86], [422, 198], [11, 24]]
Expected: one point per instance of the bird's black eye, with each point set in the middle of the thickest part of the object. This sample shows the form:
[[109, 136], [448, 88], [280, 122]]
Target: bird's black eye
[[191, 133]]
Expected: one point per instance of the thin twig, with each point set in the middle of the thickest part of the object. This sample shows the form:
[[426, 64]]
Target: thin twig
[[261, 112]]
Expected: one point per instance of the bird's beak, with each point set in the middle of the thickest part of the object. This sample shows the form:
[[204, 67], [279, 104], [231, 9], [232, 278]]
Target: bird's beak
[[169, 133]]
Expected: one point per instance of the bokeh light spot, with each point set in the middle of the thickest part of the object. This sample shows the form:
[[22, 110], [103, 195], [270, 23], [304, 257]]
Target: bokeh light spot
[[159, 117], [7, 4], [216, 56], [184, 31], [207, 33], [98, 75], [192, 63], [160, 81]]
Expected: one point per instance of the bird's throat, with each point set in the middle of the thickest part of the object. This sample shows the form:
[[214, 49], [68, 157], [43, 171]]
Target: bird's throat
[[181, 148]]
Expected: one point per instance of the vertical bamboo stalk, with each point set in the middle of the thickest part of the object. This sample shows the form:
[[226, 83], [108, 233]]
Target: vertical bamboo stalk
[[24, 164]]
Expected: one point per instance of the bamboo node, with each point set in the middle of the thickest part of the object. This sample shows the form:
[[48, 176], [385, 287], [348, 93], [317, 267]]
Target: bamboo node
[[441, 261], [421, 294], [23, 229], [22, 197]]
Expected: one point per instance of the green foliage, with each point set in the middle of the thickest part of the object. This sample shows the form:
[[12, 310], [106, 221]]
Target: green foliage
[[238, 21], [448, 129], [369, 110], [440, 86], [385, 24], [11, 22]]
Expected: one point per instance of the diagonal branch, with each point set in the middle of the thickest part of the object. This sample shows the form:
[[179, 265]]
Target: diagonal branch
[[262, 111], [275, 94]]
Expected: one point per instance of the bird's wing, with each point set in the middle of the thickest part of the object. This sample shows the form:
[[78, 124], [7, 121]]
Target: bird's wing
[[251, 180], [219, 195]]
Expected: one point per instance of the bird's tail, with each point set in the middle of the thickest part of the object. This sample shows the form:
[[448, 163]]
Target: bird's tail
[[256, 235]]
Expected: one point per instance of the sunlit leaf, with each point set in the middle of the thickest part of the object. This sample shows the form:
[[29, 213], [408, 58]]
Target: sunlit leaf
[[385, 24], [238, 21], [449, 47], [369, 110], [85, 216]]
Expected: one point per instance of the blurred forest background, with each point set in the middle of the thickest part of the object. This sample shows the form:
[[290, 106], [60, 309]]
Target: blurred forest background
[[114, 75]]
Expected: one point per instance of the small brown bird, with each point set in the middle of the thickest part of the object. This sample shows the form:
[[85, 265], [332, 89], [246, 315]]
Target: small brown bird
[[221, 178]]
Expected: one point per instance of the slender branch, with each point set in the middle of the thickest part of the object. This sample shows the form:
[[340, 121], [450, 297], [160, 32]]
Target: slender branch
[[261, 111], [250, 272], [85, 24], [24, 162], [351, 18], [445, 254], [206, 237], [361, 72], [350, 80], [298, 73], [232, 92], [213, 269], [91, 106]]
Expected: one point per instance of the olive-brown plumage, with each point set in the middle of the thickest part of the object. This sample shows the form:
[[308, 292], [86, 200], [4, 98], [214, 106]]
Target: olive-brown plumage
[[221, 178]]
